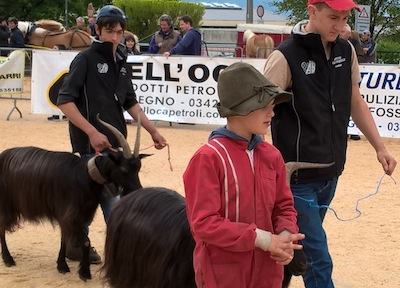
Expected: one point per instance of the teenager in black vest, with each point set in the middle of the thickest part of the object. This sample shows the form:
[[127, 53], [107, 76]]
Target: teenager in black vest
[[321, 70]]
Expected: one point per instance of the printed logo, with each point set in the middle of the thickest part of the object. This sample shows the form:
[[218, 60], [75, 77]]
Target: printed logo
[[338, 61], [308, 67], [102, 68], [123, 71]]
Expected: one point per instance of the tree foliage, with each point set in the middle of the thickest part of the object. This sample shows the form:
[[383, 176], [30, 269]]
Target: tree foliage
[[385, 18], [388, 51], [144, 15], [33, 10]]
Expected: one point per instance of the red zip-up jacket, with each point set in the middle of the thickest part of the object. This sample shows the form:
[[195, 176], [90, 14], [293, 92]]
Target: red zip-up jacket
[[227, 198]]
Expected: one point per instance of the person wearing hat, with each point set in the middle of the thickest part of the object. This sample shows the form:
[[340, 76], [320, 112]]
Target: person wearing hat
[[321, 70], [4, 36], [99, 82], [16, 37], [369, 47], [239, 206]]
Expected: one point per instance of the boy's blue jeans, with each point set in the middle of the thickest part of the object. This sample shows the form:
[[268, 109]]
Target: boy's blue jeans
[[307, 200]]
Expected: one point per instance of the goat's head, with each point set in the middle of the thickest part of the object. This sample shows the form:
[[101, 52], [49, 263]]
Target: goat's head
[[123, 167]]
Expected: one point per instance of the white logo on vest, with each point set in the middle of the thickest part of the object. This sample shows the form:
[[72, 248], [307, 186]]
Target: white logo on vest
[[308, 67], [102, 68]]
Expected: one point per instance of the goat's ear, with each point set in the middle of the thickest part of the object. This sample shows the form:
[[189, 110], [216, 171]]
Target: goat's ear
[[115, 156], [141, 156]]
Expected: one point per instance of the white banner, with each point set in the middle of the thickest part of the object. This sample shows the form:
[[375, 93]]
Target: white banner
[[184, 89], [47, 67], [12, 72], [181, 89], [380, 88]]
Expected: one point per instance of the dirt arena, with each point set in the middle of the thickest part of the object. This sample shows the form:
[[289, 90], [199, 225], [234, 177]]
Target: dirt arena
[[364, 250]]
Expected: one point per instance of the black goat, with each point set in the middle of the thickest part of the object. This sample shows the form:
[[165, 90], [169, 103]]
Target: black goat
[[148, 241], [36, 184]]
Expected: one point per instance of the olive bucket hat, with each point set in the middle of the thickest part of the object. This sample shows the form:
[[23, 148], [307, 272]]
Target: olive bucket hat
[[243, 89]]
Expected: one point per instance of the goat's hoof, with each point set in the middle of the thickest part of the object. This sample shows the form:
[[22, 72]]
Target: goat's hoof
[[63, 268], [84, 274], [9, 262]]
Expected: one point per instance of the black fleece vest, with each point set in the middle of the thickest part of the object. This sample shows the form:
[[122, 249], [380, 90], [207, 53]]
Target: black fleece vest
[[313, 126]]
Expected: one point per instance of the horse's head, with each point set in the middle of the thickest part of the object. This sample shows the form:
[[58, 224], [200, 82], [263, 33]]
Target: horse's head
[[24, 26]]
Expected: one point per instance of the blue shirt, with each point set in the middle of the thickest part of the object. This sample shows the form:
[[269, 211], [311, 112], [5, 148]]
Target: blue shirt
[[190, 44]]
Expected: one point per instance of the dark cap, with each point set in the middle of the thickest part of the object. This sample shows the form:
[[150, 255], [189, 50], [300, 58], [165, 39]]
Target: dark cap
[[2, 18], [243, 89], [111, 11]]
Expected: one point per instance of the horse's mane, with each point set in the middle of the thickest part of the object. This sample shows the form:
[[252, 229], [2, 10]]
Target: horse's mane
[[247, 35], [50, 25], [257, 46]]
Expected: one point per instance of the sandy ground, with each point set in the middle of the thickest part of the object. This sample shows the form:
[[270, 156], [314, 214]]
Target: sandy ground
[[364, 250]]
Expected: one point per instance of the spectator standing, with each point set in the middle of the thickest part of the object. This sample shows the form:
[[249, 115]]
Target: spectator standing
[[165, 39], [369, 47], [4, 36], [92, 23], [239, 206], [16, 38], [355, 40], [130, 43], [322, 72], [191, 42], [81, 25], [100, 82], [346, 35]]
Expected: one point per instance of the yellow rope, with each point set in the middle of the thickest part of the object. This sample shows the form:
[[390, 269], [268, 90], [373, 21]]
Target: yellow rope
[[37, 47]]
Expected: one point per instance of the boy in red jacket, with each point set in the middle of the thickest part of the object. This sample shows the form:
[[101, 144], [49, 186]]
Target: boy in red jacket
[[239, 206]]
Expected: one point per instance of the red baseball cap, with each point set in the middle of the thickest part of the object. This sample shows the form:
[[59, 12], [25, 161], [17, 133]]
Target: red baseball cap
[[338, 5]]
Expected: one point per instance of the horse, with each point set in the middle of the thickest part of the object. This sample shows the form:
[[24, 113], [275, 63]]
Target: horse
[[257, 46], [48, 33]]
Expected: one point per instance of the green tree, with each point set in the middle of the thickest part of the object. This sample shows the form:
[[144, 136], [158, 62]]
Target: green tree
[[144, 15], [388, 51], [32, 10], [385, 18]]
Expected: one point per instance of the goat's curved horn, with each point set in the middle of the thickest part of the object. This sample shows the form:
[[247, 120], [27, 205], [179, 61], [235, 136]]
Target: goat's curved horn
[[126, 150], [137, 142], [293, 166]]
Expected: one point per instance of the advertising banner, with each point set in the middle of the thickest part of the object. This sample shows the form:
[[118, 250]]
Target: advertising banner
[[12, 72], [184, 89]]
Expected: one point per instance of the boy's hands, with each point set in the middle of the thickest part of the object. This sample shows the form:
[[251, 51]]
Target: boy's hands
[[281, 247]]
